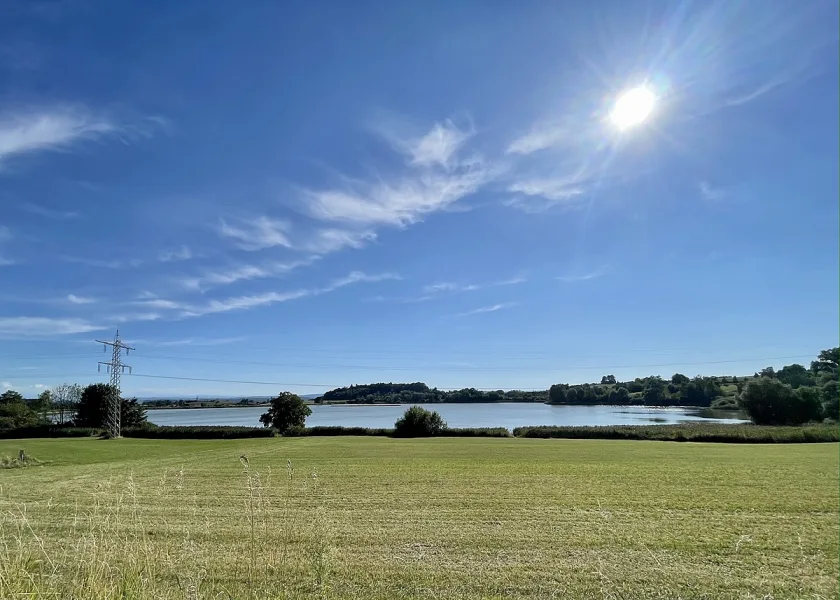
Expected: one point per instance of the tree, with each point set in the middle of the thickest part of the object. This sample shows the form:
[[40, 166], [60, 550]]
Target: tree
[[65, 398], [770, 402], [828, 360], [831, 400], [768, 372], [608, 379], [286, 411], [795, 376], [14, 412], [419, 422], [679, 379], [43, 404], [93, 406], [557, 394]]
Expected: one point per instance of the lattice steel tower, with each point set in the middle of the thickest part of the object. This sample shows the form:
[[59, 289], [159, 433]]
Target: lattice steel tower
[[116, 369]]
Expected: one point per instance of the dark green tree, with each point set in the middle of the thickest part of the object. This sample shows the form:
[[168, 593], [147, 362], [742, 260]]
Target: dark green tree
[[679, 379], [557, 394], [828, 360], [608, 380], [419, 422], [92, 409], [768, 372], [287, 410], [831, 400], [795, 376], [770, 402], [15, 412]]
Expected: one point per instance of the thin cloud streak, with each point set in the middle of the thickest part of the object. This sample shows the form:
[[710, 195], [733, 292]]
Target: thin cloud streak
[[599, 272], [26, 327], [74, 299], [53, 128], [258, 233], [487, 309], [183, 253], [49, 213]]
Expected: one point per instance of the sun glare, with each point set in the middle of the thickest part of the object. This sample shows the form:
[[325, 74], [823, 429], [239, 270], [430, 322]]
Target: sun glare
[[632, 107]]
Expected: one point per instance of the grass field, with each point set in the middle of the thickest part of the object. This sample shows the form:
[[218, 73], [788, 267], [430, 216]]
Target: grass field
[[428, 518]]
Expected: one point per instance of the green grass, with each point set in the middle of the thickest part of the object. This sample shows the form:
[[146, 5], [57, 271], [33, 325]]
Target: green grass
[[419, 518]]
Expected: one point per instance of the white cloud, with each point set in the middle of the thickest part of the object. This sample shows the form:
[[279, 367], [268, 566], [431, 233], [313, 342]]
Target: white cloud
[[50, 213], [244, 273], [540, 138], [105, 264], [133, 317], [436, 178], [74, 299], [711, 193], [182, 253], [7, 385], [358, 277], [438, 147], [259, 233], [246, 302], [40, 386], [599, 272], [43, 326], [48, 129], [487, 309], [324, 241], [437, 288]]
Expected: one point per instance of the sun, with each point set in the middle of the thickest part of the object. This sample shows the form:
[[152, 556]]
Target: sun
[[632, 107]]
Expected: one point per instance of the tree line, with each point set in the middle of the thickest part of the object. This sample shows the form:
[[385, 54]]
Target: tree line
[[68, 404]]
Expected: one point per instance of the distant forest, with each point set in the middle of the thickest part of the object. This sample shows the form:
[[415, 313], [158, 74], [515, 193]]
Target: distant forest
[[719, 392]]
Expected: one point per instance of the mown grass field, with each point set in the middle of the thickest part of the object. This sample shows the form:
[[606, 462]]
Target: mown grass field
[[427, 518]]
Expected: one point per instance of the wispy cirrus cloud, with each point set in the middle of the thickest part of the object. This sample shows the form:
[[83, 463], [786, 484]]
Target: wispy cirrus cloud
[[51, 128], [436, 176], [244, 272], [188, 342], [487, 309], [74, 299], [104, 263], [49, 213], [448, 286], [541, 137], [182, 310], [182, 253], [586, 276], [712, 193], [25, 327], [257, 233]]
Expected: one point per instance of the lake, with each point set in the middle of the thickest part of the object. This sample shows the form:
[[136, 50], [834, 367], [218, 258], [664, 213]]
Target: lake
[[501, 414]]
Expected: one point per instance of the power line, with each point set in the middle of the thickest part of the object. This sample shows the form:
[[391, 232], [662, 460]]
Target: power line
[[465, 368], [115, 367]]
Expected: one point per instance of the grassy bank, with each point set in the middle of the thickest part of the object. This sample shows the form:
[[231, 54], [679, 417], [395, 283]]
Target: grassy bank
[[376, 517]]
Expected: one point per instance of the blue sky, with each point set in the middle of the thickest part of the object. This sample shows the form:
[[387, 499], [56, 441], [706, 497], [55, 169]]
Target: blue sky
[[336, 193]]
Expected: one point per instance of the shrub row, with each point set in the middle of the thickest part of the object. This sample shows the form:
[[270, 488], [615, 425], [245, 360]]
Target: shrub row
[[49, 431], [197, 432], [704, 432], [699, 432]]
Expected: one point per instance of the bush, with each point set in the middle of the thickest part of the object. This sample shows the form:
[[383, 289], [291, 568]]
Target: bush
[[691, 432], [729, 403], [49, 431], [475, 432], [197, 432], [419, 422], [334, 430], [768, 401]]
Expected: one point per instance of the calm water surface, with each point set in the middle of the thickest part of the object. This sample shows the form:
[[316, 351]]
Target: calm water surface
[[501, 414]]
